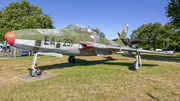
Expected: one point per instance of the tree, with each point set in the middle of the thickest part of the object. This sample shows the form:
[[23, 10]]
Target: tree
[[152, 33], [173, 11], [22, 15], [98, 32], [159, 36], [140, 33], [173, 37]]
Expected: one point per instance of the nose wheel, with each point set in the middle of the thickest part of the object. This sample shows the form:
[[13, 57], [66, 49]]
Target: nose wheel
[[34, 72], [71, 59], [135, 65]]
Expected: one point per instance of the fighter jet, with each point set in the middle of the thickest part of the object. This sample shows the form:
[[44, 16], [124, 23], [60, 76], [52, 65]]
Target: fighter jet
[[73, 40]]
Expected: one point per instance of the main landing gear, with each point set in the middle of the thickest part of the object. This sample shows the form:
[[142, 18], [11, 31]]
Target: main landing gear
[[71, 59], [136, 63], [34, 71]]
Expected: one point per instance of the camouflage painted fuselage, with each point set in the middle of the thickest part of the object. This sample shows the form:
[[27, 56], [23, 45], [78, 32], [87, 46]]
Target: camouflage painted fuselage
[[73, 40], [63, 41]]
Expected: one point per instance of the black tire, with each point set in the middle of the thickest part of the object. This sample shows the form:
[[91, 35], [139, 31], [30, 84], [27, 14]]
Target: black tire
[[32, 73], [37, 71], [134, 66], [71, 59]]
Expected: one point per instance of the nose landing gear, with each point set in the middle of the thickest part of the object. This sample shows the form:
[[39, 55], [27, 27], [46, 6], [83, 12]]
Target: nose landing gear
[[34, 71]]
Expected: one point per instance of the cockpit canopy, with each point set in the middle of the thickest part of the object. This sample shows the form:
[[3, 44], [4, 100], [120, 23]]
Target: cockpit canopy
[[79, 27], [71, 27]]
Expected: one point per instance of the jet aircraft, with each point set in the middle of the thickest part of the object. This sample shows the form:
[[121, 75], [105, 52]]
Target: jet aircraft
[[73, 40]]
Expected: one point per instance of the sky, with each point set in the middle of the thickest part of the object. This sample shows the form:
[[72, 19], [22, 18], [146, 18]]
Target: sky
[[106, 15]]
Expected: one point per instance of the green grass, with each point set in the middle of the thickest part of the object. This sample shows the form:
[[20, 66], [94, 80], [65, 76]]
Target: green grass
[[8, 53], [93, 78]]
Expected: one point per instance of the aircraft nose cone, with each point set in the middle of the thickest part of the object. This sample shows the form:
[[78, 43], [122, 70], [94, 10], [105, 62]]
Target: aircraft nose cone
[[10, 38]]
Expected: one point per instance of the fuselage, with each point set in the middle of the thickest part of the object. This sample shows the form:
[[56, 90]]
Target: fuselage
[[65, 41]]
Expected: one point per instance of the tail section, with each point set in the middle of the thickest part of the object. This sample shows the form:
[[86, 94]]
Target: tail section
[[123, 41], [124, 32], [122, 35]]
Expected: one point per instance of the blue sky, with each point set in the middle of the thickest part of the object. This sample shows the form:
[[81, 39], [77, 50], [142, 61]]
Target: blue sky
[[107, 15]]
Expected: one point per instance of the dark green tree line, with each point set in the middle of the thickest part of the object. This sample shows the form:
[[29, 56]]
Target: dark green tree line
[[154, 34], [173, 12], [158, 36], [22, 15], [173, 37]]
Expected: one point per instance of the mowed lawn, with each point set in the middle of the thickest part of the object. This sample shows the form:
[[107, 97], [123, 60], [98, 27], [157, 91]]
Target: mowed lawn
[[93, 78]]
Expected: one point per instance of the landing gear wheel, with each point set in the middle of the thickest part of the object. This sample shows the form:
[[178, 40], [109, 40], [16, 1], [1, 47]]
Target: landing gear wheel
[[135, 65], [34, 72], [71, 59], [37, 71]]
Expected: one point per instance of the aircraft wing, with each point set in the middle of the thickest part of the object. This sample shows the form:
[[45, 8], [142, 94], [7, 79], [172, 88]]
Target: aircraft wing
[[93, 45], [107, 49], [125, 48], [98, 48]]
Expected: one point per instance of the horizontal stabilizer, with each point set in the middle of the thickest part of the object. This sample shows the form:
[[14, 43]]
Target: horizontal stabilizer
[[130, 42], [133, 39]]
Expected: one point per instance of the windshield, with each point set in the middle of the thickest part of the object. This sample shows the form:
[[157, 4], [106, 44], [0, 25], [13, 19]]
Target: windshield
[[81, 28], [71, 27]]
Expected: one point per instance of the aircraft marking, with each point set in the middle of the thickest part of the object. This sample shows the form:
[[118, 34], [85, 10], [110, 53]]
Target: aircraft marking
[[68, 42], [51, 41], [48, 42]]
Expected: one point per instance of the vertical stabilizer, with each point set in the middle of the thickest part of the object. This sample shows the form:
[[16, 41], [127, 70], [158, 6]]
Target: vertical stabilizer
[[124, 32], [122, 35]]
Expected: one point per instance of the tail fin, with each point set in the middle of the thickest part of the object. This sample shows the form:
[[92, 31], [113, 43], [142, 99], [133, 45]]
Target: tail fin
[[123, 34]]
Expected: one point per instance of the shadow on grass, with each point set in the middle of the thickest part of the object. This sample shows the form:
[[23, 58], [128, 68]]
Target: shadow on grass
[[152, 97], [81, 62], [167, 58]]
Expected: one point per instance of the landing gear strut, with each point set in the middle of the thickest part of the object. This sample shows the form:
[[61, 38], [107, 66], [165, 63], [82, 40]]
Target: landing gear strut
[[34, 71], [71, 59], [136, 63]]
